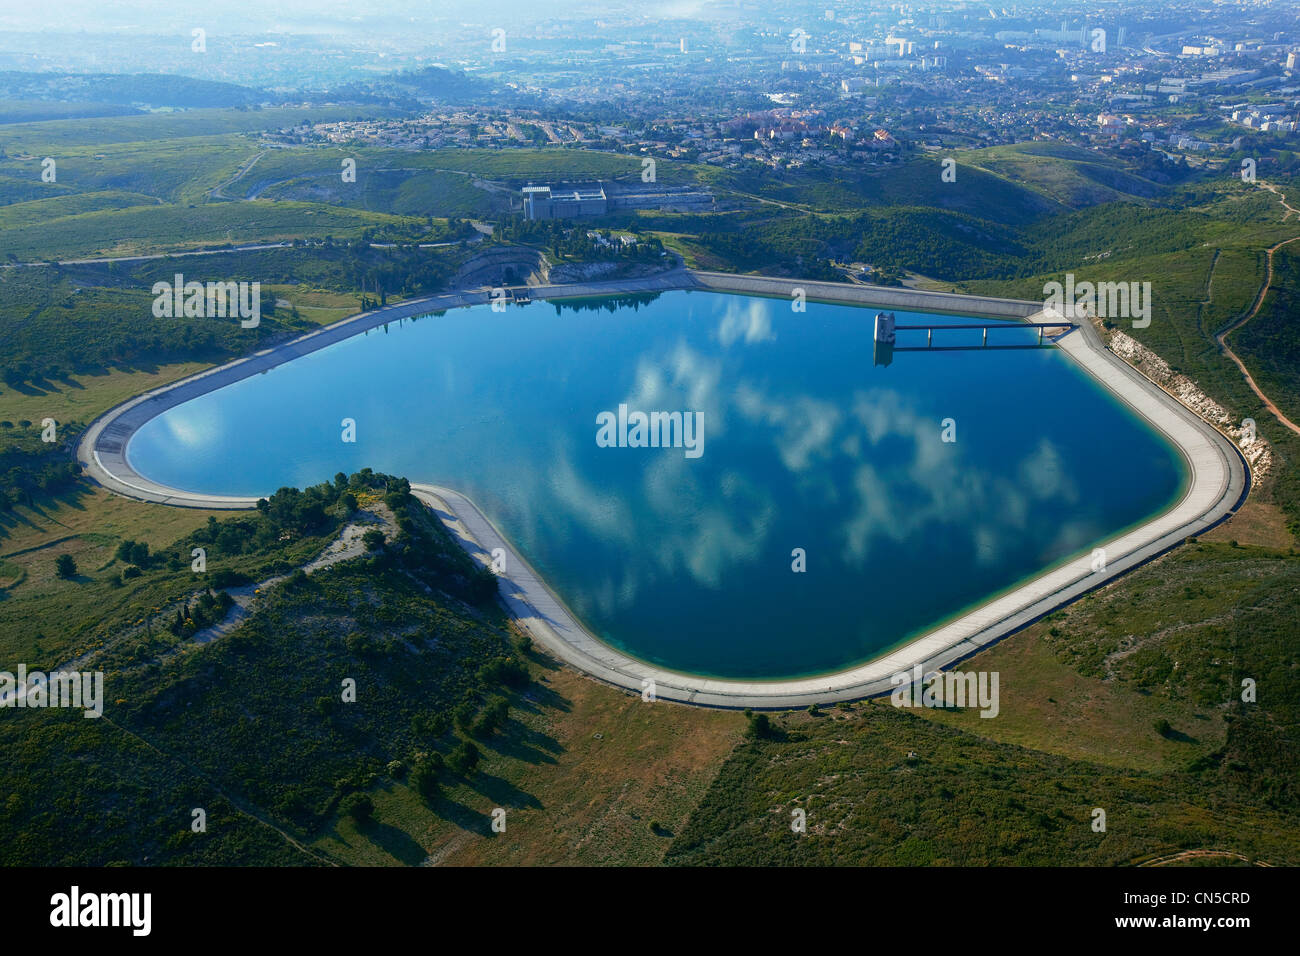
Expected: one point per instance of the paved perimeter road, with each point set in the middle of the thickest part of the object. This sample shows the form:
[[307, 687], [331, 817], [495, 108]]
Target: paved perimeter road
[[1218, 484]]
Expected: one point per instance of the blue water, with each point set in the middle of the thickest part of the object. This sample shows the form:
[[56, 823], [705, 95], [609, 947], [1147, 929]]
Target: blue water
[[687, 562]]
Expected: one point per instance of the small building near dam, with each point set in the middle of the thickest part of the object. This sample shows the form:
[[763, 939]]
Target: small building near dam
[[555, 202]]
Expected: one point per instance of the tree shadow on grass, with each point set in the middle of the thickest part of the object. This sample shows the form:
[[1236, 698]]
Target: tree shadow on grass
[[9, 520], [71, 496], [502, 792], [455, 812], [521, 742], [537, 697], [43, 509], [394, 841], [27, 388], [543, 660], [46, 385]]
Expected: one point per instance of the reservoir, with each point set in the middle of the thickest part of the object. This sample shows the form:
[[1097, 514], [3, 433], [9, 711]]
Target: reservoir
[[908, 487]]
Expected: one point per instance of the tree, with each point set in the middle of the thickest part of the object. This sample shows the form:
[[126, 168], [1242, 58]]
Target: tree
[[359, 807], [760, 725], [492, 719], [425, 776], [463, 715], [464, 758], [65, 566]]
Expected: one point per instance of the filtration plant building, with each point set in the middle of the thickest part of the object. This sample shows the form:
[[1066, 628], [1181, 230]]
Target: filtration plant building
[[563, 202]]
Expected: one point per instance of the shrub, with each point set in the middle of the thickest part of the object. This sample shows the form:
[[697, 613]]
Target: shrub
[[225, 578], [65, 566], [505, 670], [431, 725], [484, 585]]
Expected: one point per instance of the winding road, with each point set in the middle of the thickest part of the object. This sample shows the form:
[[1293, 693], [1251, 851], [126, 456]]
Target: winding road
[[1221, 338]]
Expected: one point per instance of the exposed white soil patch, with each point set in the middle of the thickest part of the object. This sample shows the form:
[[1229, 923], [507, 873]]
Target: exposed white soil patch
[[346, 546], [1257, 451]]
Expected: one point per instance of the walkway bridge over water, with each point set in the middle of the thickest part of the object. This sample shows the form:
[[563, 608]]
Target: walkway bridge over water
[[886, 329]]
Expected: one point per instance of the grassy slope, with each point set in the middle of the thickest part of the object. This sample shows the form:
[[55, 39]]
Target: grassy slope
[[83, 397], [137, 810], [39, 211], [41, 137], [1073, 177], [171, 170], [960, 800], [152, 229], [414, 651], [582, 771], [1269, 344]]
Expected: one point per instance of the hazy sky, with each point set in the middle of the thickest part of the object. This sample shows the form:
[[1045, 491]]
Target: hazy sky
[[298, 16]]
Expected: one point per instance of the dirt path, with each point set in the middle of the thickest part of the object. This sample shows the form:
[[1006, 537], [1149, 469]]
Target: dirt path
[[1221, 338], [218, 191], [346, 546], [1188, 855]]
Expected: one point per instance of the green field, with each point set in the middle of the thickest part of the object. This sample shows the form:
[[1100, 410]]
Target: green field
[[153, 229], [46, 137]]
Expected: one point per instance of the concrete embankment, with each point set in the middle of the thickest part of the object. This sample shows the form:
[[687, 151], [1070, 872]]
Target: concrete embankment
[[102, 448], [917, 300], [1217, 483]]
